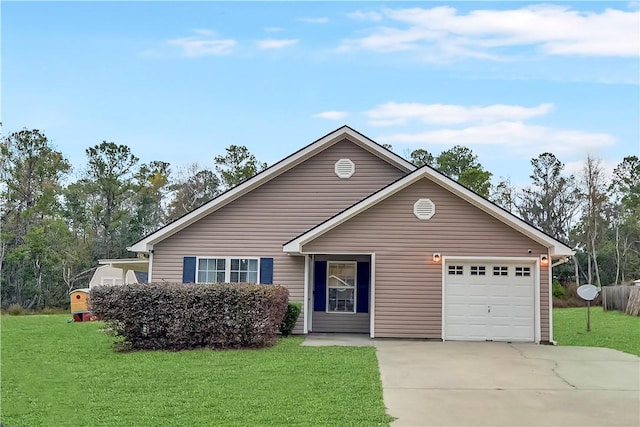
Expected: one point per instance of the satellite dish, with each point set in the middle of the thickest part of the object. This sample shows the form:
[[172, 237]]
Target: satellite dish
[[588, 292]]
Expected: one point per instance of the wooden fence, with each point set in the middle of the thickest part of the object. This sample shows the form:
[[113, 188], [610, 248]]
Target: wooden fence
[[633, 306], [621, 298]]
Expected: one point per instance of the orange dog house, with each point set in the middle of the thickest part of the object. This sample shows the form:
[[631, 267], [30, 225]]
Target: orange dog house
[[80, 305]]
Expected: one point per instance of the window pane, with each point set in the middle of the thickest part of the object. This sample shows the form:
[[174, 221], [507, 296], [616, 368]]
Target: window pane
[[244, 270], [209, 270], [252, 277], [342, 274], [341, 300]]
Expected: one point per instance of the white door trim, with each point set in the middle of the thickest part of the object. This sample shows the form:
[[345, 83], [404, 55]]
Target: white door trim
[[309, 284], [528, 260], [306, 319], [372, 295]]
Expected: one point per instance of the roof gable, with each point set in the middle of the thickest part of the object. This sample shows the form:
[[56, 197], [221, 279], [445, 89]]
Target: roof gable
[[345, 132], [556, 248]]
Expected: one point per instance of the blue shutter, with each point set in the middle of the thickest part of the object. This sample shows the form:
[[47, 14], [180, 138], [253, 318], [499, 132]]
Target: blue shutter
[[320, 286], [364, 274], [189, 269], [266, 271]]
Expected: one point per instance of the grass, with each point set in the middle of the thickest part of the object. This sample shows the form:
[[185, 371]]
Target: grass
[[611, 329], [67, 374]]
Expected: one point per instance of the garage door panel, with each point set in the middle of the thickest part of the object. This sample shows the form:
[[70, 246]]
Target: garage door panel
[[510, 298], [478, 293], [467, 332]]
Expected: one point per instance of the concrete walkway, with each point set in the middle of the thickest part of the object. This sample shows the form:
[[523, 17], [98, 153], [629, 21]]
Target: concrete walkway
[[499, 384]]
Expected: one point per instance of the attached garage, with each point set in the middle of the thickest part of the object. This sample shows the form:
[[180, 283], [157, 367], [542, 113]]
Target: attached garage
[[490, 299]]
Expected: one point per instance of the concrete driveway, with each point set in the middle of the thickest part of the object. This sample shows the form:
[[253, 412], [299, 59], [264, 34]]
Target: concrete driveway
[[500, 384]]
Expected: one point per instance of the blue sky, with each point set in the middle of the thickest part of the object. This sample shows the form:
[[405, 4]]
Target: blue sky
[[179, 82]]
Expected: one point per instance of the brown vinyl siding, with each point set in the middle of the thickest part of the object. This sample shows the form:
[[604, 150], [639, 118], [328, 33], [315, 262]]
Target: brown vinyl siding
[[340, 322], [408, 285], [260, 222]]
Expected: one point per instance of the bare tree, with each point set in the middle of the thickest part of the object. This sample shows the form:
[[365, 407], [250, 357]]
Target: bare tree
[[594, 224]]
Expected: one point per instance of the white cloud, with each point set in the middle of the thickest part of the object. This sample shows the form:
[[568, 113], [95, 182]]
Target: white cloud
[[274, 29], [203, 32], [365, 16], [322, 20], [441, 34], [331, 115], [514, 136], [276, 43], [204, 44], [393, 113]]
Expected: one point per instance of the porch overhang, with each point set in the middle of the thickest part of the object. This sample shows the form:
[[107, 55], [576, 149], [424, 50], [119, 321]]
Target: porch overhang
[[127, 264]]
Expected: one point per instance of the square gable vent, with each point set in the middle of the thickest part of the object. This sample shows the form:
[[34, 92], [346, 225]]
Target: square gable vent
[[424, 209], [344, 168]]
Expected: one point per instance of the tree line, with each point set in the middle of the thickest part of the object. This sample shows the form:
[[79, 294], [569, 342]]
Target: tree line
[[54, 229], [54, 226]]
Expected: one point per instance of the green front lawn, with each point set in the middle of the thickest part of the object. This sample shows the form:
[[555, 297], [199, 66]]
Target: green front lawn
[[612, 329], [66, 374]]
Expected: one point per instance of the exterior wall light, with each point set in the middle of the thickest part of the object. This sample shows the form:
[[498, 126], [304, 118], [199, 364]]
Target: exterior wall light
[[436, 258], [544, 260]]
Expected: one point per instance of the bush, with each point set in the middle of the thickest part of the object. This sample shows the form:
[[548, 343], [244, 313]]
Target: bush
[[290, 318], [176, 316], [557, 289], [16, 310], [570, 298]]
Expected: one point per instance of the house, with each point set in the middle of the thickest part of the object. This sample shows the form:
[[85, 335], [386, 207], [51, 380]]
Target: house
[[370, 244], [113, 272]]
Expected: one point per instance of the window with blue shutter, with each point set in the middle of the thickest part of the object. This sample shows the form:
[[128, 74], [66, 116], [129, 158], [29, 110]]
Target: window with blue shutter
[[266, 271], [320, 286], [364, 279], [189, 269]]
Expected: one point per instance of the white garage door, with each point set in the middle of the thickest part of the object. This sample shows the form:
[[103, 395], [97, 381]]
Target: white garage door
[[489, 301]]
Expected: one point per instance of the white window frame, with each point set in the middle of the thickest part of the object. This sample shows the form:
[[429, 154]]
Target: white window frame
[[455, 270], [227, 266], [478, 270], [500, 271], [355, 287]]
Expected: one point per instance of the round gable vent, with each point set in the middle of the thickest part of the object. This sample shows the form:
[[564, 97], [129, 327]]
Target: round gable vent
[[424, 209], [344, 168]]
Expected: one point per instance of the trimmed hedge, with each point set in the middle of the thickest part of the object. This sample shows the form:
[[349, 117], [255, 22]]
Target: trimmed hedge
[[290, 318], [178, 316]]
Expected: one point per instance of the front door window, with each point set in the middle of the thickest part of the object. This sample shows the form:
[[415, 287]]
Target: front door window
[[341, 289]]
